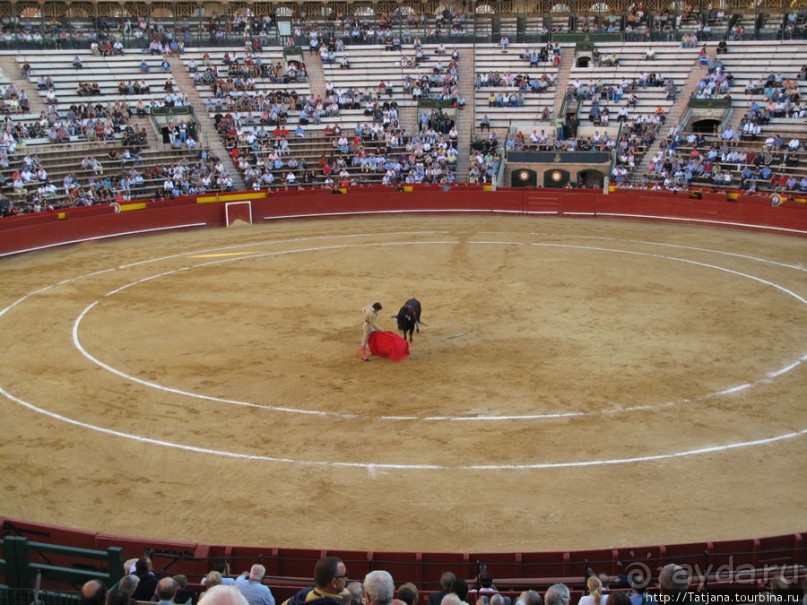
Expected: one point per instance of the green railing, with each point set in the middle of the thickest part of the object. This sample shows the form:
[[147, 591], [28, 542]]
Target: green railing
[[28, 562], [29, 596], [615, 150], [710, 103], [172, 111], [293, 53], [435, 104]]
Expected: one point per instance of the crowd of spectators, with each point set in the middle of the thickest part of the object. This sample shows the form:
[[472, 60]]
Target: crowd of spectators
[[746, 156], [340, 30], [523, 82], [716, 82], [549, 53], [117, 177], [720, 165], [88, 89], [373, 152], [13, 100]]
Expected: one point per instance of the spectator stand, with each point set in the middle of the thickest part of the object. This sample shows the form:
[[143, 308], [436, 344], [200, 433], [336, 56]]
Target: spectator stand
[[135, 81], [400, 72], [516, 85], [762, 147], [627, 90], [627, 84], [84, 150]]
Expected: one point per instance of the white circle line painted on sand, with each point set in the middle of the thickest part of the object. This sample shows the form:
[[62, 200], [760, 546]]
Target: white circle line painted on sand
[[277, 241], [32, 293], [116, 372], [666, 245], [288, 409], [376, 234], [713, 449]]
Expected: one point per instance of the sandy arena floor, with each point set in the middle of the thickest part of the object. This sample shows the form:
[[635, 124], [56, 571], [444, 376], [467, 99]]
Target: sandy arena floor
[[578, 384]]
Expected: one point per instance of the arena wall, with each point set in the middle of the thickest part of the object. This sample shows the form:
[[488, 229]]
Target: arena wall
[[744, 565], [32, 232]]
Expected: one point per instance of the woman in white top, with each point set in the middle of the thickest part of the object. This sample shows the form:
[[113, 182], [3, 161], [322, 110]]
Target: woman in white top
[[594, 596]]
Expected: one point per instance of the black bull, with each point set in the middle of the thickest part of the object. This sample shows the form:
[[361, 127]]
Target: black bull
[[409, 317]]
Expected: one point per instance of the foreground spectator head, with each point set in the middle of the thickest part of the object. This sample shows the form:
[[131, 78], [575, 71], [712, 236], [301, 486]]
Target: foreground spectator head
[[330, 575], [408, 593], [460, 588], [379, 588], [212, 579], [128, 584], [93, 593], [256, 573], [166, 589], [143, 566], [447, 579], [557, 594], [673, 579], [252, 587], [619, 598], [223, 595], [530, 597], [451, 599], [356, 591], [594, 585]]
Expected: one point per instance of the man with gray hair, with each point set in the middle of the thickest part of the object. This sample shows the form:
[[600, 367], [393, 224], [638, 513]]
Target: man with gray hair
[[673, 580], [127, 586], [557, 594], [223, 595], [356, 591], [166, 590], [446, 580], [529, 597], [252, 587], [379, 588]]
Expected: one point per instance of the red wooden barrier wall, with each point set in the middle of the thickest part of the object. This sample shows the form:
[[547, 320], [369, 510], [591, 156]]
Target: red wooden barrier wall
[[38, 231]]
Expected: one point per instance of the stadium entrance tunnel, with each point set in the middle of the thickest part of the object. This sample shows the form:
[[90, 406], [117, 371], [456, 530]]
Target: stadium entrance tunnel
[[590, 178], [707, 126]]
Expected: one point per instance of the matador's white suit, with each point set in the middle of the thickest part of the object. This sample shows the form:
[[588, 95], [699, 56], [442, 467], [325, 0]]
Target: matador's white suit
[[370, 314]]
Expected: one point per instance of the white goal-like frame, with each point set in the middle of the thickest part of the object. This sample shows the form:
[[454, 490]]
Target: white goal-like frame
[[227, 206]]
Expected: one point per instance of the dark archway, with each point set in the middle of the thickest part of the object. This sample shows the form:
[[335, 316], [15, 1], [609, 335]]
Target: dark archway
[[590, 178], [706, 126], [583, 61]]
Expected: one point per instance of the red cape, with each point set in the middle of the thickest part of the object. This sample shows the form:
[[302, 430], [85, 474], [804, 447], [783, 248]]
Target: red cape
[[389, 344]]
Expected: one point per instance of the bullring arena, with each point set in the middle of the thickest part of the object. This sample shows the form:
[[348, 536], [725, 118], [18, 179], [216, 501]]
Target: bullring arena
[[579, 382], [600, 205]]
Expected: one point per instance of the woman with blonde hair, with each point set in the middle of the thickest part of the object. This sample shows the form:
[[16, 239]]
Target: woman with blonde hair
[[594, 596], [211, 579]]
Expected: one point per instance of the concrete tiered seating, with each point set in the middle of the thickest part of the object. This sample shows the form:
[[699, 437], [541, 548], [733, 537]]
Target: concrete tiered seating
[[262, 85], [771, 26], [671, 62], [308, 149], [755, 60], [371, 65], [107, 72], [59, 161], [490, 58]]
